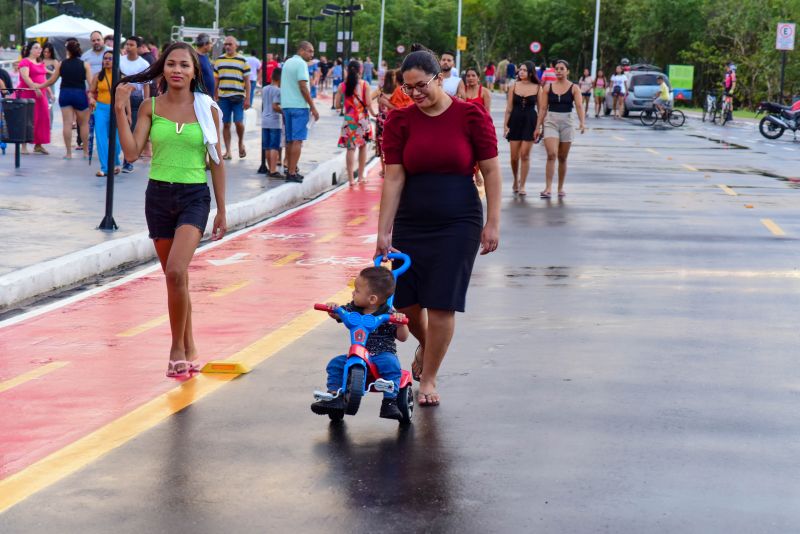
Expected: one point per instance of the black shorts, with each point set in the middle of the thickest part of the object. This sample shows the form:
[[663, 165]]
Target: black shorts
[[168, 205]]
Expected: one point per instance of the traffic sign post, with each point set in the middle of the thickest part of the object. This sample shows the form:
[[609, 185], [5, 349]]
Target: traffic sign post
[[784, 41], [461, 43]]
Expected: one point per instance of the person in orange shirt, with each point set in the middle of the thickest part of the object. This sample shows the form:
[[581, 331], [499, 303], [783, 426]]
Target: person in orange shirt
[[399, 99]]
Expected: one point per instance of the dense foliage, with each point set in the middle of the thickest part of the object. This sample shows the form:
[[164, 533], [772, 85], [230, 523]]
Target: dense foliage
[[703, 33]]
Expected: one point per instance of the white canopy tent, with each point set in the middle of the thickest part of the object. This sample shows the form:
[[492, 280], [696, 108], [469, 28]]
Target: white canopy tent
[[64, 26]]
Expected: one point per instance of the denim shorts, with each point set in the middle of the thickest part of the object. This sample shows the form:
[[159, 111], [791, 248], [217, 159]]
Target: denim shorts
[[169, 205], [270, 138], [73, 98], [296, 122], [232, 106]]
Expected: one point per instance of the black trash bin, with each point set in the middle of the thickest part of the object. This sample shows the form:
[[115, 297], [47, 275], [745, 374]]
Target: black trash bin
[[17, 120]]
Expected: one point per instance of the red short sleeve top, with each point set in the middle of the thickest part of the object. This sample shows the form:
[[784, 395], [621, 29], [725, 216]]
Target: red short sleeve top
[[449, 143]]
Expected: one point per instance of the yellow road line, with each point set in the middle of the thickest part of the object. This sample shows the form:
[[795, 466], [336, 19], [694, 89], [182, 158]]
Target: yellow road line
[[73, 457], [230, 289], [772, 227], [728, 190], [287, 259], [328, 237], [361, 219], [31, 375], [652, 151], [144, 327], [688, 167]]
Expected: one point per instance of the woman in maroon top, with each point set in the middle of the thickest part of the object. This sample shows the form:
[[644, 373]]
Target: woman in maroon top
[[430, 208]]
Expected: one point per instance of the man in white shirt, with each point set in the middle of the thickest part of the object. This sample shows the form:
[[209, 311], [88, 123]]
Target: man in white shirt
[[451, 83], [94, 57], [131, 64], [255, 70]]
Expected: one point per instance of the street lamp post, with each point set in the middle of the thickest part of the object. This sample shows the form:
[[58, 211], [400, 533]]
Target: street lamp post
[[380, 39], [310, 20], [286, 32], [344, 11], [458, 50], [108, 222], [596, 33], [264, 22]]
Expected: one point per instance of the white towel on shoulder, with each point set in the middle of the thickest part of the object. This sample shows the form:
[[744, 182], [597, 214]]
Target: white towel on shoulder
[[211, 134]]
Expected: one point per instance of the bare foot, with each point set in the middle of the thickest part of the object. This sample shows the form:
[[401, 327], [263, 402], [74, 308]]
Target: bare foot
[[428, 396]]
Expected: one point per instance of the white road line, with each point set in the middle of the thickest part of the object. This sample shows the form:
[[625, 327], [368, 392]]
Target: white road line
[[787, 148], [769, 144]]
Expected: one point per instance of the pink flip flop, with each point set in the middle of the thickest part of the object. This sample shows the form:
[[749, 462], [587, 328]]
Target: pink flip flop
[[189, 368]]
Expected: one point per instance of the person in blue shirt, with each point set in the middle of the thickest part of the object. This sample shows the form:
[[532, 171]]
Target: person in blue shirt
[[203, 46], [371, 290]]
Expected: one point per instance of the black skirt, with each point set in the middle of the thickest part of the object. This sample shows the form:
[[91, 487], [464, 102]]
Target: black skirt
[[438, 224]]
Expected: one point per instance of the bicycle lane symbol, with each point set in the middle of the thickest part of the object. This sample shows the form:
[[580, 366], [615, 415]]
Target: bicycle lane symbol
[[281, 237], [349, 261]]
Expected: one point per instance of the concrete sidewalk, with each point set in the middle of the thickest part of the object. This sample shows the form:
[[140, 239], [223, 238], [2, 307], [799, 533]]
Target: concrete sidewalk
[[50, 208]]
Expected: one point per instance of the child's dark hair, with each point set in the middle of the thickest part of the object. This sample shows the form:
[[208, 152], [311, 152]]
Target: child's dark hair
[[276, 74], [380, 281]]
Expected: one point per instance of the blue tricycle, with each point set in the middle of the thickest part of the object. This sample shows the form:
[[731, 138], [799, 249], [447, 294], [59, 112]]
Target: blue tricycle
[[360, 374]]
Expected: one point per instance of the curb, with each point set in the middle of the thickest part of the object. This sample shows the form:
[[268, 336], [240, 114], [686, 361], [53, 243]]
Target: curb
[[72, 269]]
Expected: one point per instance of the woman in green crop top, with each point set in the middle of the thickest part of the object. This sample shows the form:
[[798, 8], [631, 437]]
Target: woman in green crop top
[[178, 200]]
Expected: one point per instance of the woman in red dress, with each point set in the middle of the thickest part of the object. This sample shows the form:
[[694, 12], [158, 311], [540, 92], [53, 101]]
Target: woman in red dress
[[430, 208]]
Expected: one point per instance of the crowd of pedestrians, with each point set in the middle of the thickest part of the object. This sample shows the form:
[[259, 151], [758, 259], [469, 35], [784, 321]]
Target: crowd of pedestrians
[[172, 107]]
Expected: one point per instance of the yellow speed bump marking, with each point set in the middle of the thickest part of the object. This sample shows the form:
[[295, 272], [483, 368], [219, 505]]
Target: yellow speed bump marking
[[361, 219], [225, 367], [31, 375], [73, 457], [144, 327], [728, 190], [230, 289], [328, 237], [688, 167], [652, 151], [772, 227], [287, 259]]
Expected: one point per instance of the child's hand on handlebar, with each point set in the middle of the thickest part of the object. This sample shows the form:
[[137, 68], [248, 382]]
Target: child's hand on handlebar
[[399, 316], [332, 306]]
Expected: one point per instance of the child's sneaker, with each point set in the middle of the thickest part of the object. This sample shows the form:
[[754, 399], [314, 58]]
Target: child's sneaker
[[389, 409], [324, 407]]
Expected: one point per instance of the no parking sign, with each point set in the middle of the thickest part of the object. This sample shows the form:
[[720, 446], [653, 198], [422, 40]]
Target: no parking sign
[[536, 47], [785, 37]]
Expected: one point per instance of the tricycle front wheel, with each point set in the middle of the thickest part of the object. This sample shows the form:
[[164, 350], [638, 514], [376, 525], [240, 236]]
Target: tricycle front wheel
[[355, 389], [405, 402]]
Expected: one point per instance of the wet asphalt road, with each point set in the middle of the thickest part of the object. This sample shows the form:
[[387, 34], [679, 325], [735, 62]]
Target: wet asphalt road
[[627, 363]]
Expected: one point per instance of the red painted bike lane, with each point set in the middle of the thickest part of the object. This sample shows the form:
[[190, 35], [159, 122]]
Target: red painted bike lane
[[74, 369]]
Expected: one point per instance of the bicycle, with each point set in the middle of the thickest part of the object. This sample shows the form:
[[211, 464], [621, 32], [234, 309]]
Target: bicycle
[[711, 108], [726, 114], [674, 117]]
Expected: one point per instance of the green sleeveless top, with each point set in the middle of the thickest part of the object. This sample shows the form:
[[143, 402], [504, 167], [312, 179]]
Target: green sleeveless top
[[179, 154]]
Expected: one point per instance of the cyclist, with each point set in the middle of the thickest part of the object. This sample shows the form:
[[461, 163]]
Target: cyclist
[[730, 86], [661, 99]]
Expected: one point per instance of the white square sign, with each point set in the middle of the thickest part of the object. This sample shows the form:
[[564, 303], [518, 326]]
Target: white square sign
[[785, 37]]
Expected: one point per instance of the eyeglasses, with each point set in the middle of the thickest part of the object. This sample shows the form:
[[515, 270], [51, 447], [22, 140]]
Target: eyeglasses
[[421, 87]]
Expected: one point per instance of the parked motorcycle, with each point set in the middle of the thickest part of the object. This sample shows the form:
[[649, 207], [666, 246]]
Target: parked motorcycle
[[779, 118]]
